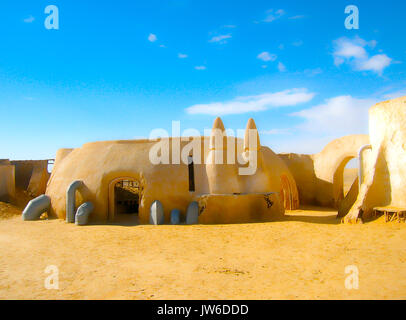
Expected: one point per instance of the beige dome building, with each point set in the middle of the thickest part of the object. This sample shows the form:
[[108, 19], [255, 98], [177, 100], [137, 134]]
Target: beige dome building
[[228, 179], [121, 177]]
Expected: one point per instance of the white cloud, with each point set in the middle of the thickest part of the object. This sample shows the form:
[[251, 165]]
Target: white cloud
[[394, 95], [240, 105], [313, 72], [29, 19], [376, 63], [297, 43], [281, 67], [338, 61], [347, 48], [182, 56], [373, 43], [272, 16], [297, 17], [266, 56], [162, 46], [200, 68], [221, 38], [338, 116], [152, 37], [230, 26], [298, 143], [276, 131], [354, 53]]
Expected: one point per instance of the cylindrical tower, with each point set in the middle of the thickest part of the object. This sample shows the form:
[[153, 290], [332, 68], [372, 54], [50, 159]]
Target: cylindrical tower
[[222, 173]]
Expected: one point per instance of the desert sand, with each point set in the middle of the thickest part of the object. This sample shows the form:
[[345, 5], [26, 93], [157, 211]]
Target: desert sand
[[302, 257]]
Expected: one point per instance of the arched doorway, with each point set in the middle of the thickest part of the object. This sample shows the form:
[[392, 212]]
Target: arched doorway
[[288, 194], [340, 186], [124, 198]]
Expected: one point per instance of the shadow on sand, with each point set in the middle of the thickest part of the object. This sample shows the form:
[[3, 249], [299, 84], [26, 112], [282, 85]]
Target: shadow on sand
[[307, 214], [310, 214], [124, 220]]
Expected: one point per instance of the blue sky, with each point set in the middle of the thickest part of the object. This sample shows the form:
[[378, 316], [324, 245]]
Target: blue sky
[[119, 69]]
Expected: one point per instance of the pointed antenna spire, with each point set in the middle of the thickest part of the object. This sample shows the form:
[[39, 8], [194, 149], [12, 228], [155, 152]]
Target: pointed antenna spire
[[247, 145], [218, 134]]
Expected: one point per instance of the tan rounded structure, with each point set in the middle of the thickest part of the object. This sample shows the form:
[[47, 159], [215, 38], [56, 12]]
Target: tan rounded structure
[[319, 177], [224, 195], [385, 168]]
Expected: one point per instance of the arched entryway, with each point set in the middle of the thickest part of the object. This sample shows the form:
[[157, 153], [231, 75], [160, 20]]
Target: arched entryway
[[288, 194], [338, 180], [124, 197]]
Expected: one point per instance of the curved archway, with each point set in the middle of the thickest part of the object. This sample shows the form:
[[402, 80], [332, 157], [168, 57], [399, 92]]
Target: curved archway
[[338, 180], [288, 194], [124, 194], [332, 156], [329, 165]]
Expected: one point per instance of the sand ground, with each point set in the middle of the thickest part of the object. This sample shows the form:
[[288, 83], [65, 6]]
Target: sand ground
[[302, 257]]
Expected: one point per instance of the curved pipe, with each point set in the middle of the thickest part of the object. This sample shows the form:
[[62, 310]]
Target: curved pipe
[[192, 213], [82, 214], [36, 207], [360, 162], [175, 217], [156, 215], [71, 200]]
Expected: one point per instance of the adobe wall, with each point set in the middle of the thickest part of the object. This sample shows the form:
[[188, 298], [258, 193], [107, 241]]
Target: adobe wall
[[38, 181], [24, 170], [302, 168], [243, 208], [385, 178], [98, 164], [7, 182], [329, 167], [319, 177]]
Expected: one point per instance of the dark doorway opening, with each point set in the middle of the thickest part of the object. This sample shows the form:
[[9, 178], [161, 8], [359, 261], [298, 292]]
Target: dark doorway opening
[[191, 168], [127, 197]]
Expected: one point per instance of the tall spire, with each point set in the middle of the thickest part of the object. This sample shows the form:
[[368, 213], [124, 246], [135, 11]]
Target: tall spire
[[222, 176], [249, 145], [218, 134]]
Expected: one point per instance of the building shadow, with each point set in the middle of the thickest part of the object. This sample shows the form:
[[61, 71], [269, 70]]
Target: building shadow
[[123, 220], [312, 214], [330, 219]]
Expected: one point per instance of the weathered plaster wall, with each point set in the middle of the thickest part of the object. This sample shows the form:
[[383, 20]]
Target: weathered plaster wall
[[244, 208], [302, 168], [7, 182], [349, 200], [24, 170], [319, 177], [38, 181], [329, 167], [98, 164], [385, 179]]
